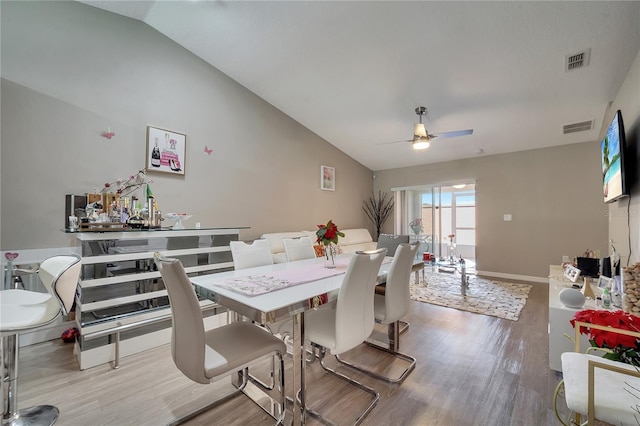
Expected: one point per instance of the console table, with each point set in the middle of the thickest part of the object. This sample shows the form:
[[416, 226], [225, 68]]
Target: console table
[[122, 306], [559, 317]]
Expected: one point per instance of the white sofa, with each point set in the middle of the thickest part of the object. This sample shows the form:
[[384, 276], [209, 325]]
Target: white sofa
[[353, 240]]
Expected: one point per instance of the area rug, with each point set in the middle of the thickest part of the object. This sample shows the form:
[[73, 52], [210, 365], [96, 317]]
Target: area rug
[[494, 298]]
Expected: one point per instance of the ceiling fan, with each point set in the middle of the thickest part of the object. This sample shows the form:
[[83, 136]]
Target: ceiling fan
[[422, 138]]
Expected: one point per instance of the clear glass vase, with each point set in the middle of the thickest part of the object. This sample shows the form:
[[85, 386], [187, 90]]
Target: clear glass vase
[[330, 252]]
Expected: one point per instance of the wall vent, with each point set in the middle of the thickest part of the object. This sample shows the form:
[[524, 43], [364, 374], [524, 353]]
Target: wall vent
[[582, 126], [577, 60]]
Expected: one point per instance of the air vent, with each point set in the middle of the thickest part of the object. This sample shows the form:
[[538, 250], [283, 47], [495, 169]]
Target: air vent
[[583, 126], [577, 60]]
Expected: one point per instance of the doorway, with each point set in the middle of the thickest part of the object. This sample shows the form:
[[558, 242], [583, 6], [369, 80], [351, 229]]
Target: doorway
[[446, 218]]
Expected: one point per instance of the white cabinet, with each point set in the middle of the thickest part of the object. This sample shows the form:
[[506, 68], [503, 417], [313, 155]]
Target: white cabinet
[[559, 317], [121, 290]]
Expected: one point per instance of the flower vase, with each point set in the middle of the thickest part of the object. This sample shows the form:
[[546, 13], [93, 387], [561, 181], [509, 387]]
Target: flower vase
[[330, 253]]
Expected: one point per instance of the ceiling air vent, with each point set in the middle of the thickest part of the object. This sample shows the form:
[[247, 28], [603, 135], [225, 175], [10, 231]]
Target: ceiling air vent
[[577, 127], [577, 60]]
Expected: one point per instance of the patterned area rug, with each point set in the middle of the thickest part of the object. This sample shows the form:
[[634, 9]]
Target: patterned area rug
[[495, 298]]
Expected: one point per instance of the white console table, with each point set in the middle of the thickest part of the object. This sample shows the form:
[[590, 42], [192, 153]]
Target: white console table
[[559, 317], [122, 305]]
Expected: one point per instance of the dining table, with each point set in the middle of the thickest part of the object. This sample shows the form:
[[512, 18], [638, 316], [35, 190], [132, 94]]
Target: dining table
[[271, 293]]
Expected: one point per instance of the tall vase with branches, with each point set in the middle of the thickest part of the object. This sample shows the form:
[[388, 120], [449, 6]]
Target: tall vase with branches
[[378, 209]]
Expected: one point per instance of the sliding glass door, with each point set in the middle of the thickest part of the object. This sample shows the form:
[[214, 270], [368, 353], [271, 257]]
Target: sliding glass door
[[445, 216]]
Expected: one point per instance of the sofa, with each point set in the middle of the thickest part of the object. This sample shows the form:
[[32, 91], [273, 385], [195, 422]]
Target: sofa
[[353, 240]]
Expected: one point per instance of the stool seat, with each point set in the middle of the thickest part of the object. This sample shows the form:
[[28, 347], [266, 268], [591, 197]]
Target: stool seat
[[614, 392], [22, 310]]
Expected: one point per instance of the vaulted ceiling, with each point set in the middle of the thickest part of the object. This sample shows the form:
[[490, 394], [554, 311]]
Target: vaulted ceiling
[[353, 72]]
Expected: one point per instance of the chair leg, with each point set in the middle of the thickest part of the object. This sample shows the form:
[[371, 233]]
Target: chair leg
[[373, 392], [38, 415], [241, 379], [394, 333]]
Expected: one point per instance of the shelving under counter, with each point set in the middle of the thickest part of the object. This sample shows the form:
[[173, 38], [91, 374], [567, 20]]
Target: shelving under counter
[[121, 290], [559, 317]]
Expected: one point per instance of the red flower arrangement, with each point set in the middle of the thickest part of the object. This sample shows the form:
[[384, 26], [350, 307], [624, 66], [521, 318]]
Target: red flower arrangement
[[625, 348], [328, 233]]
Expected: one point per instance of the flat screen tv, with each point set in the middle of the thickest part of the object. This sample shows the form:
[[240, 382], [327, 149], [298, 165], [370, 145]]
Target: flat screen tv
[[612, 154]]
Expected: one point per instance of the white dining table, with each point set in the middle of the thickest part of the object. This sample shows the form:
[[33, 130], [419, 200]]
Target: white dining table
[[290, 302]]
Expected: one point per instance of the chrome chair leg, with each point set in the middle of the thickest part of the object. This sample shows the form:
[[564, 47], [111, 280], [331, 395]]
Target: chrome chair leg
[[394, 335], [11, 416], [373, 392]]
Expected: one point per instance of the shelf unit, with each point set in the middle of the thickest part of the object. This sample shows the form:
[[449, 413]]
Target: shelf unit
[[559, 317], [120, 287]]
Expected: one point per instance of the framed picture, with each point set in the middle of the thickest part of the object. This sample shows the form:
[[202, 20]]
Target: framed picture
[[604, 282], [327, 178], [166, 151], [572, 273]]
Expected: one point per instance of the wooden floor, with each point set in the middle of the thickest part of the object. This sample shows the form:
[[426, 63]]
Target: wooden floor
[[472, 370]]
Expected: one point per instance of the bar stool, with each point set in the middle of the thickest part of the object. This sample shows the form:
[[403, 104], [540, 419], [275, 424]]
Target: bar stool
[[22, 310]]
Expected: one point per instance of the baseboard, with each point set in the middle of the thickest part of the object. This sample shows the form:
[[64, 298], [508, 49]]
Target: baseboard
[[528, 278]]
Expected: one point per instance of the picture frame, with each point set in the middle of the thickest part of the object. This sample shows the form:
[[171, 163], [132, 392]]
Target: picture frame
[[605, 282], [327, 178], [166, 151], [572, 273]]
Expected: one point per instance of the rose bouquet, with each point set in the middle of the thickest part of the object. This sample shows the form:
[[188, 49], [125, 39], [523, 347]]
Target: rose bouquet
[[327, 236]]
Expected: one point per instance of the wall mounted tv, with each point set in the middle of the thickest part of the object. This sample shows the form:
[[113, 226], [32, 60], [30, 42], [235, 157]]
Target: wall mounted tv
[[612, 154]]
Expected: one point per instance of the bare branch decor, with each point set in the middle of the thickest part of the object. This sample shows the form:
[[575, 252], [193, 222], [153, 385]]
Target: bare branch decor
[[378, 209]]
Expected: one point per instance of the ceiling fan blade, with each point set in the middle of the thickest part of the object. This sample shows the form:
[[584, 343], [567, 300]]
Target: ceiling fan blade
[[388, 143], [454, 134]]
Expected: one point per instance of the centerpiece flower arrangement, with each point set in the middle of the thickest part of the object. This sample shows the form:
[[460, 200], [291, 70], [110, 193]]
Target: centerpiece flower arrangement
[[619, 347], [416, 226], [327, 236]]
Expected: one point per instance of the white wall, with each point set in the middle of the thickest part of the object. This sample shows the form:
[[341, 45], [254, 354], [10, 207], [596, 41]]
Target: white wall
[[70, 70], [624, 215]]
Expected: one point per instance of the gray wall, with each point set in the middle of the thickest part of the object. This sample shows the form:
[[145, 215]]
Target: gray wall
[[70, 70], [554, 196]]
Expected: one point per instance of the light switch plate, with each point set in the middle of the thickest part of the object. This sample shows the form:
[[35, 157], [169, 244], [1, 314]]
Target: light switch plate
[[507, 218]]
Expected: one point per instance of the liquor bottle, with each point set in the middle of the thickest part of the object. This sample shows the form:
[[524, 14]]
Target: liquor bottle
[[155, 155]]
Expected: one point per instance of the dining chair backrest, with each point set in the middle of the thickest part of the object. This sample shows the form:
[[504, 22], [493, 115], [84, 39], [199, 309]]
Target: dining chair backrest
[[246, 255], [397, 292], [354, 319], [298, 248], [60, 274], [181, 243], [187, 333], [391, 242]]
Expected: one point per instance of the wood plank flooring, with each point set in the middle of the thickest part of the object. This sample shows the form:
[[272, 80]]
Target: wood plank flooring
[[472, 370]]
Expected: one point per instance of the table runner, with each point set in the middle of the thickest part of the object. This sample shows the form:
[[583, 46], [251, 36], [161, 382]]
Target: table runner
[[254, 285]]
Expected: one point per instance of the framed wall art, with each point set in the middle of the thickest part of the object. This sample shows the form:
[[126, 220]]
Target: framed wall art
[[166, 151], [327, 178]]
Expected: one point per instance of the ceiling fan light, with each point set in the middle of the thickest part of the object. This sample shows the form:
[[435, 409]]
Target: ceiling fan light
[[420, 144], [419, 131]]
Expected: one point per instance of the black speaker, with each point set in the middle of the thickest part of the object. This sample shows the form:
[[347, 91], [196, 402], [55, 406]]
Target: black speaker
[[589, 267], [606, 267]]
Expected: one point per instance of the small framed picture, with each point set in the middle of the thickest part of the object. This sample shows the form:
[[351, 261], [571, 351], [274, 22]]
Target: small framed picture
[[605, 282], [572, 273], [166, 151], [327, 178]]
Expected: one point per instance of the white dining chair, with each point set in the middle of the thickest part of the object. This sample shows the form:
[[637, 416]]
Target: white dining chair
[[391, 242], [391, 307], [350, 322], [207, 356], [247, 255], [22, 310], [298, 248]]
